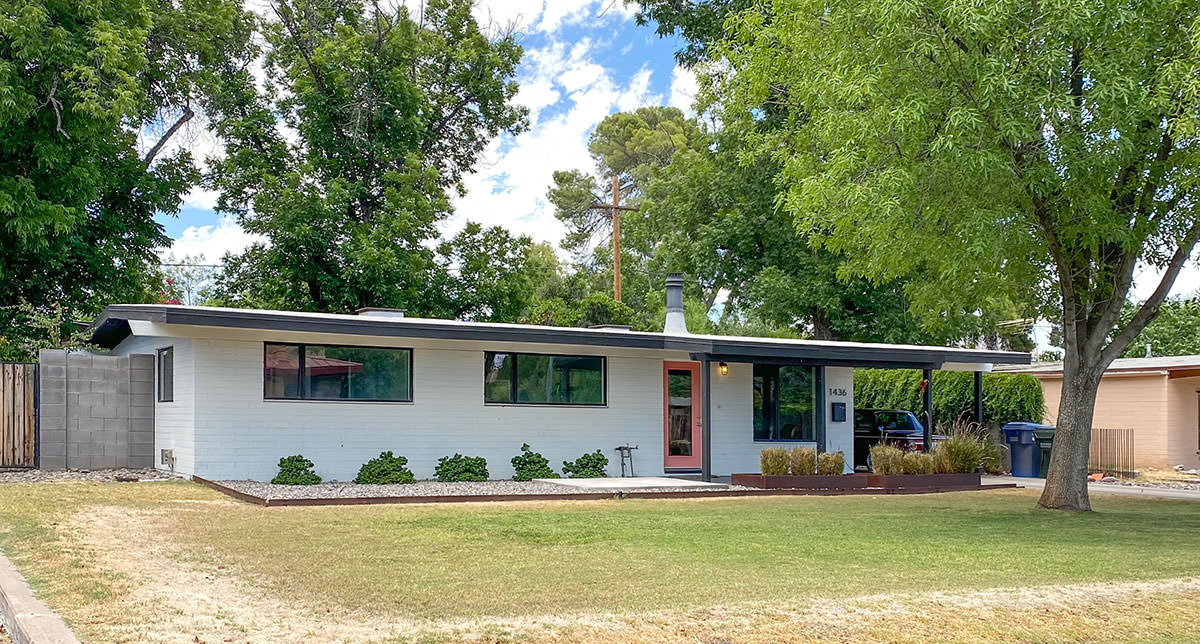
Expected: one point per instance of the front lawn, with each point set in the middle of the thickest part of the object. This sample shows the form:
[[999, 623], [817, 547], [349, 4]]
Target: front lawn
[[109, 549]]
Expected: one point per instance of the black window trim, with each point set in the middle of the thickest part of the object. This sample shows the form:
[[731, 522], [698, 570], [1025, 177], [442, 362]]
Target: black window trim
[[303, 390], [158, 380], [775, 398], [512, 378]]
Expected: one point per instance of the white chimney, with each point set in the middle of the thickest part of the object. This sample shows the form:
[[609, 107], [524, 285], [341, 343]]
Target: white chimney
[[377, 312], [675, 322]]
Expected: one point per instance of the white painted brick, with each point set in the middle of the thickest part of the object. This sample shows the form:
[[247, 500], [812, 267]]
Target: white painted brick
[[220, 427]]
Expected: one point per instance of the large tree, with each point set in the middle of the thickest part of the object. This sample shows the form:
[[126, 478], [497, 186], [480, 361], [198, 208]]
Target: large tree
[[1011, 149], [346, 158], [1175, 332], [96, 95]]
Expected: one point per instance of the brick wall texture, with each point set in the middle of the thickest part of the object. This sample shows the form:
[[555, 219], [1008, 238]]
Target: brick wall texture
[[96, 411]]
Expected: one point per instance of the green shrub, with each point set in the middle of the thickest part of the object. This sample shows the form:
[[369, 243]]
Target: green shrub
[[967, 448], [831, 463], [385, 469], [296, 470], [461, 468], [887, 459], [588, 466], [1007, 397], [530, 465], [774, 461], [802, 461], [918, 463]]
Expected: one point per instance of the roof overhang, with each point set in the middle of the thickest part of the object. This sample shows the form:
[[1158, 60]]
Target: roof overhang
[[113, 326]]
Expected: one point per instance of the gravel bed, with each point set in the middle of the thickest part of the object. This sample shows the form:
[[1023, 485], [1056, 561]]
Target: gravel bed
[[339, 490], [1162, 485], [75, 476]]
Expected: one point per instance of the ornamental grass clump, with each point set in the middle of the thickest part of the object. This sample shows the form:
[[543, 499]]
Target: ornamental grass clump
[[831, 464], [461, 468], [887, 459], [967, 448], [588, 466], [385, 469], [296, 470], [774, 461], [918, 463], [529, 465], [802, 461]]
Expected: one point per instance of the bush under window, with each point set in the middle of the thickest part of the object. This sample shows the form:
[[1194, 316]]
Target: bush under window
[[588, 466], [385, 469], [529, 465], [296, 470], [461, 468]]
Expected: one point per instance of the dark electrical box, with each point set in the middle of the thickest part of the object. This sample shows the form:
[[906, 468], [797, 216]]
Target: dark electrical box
[[837, 412]]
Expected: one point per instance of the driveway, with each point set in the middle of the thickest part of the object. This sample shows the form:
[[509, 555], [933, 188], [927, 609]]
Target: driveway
[[1184, 494]]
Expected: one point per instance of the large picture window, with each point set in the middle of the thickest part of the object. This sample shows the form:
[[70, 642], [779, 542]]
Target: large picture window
[[330, 372], [536, 379], [784, 403]]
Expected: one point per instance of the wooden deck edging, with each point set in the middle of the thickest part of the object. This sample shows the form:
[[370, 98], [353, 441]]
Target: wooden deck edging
[[585, 496]]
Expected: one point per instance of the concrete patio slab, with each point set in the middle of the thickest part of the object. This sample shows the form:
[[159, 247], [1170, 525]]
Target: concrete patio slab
[[634, 483]]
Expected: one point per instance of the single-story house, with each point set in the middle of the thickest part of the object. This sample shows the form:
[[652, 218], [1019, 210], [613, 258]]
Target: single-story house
[[238, 389], [1158, 399]]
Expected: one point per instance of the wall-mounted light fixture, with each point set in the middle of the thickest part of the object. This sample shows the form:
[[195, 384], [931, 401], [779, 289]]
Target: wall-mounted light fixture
[[723, 368]]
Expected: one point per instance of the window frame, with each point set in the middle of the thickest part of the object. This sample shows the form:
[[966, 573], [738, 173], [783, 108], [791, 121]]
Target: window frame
[[302, 387], [512, 376], [776, 397], [158, 371]]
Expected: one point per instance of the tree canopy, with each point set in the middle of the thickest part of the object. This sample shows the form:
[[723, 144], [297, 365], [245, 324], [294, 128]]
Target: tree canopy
[[95, 94], [346, 158], [1009, 152], [1175, 332]]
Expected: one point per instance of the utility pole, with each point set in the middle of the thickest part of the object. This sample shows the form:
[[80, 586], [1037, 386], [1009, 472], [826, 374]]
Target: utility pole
[[616, 223], [615, 212]]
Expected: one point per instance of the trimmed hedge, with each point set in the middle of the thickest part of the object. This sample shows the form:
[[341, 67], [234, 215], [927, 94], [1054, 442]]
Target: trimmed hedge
[[1007, 397]]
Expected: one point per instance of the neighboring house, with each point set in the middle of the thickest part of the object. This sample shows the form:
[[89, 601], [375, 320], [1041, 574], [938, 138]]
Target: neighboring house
[[1156, 398], [238, 389]]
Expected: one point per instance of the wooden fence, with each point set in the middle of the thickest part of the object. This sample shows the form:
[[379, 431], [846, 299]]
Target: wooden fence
[[1111, 451], [18, 414]]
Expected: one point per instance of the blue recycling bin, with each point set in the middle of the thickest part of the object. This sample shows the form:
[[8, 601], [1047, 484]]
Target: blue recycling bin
[[1026, 458]]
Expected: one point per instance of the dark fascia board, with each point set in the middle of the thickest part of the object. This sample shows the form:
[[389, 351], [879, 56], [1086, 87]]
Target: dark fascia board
[[112, 327]]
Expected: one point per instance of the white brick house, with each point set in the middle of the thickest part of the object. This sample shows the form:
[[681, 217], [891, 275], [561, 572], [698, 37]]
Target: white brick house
[[238, 389]]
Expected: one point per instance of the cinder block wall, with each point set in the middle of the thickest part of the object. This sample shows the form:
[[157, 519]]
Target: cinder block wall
[[96, 411]]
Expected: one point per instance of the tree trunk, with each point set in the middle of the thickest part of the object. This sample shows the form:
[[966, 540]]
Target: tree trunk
[[1066, 479]]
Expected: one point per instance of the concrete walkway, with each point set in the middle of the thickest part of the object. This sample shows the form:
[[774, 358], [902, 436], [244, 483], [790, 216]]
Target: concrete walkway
[[1104, 488], [634, 483]]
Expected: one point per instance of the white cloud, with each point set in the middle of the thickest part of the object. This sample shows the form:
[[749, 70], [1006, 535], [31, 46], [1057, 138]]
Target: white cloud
[[509, 188], [684, 88], [547, 16], [1147, 278], [212, 242]]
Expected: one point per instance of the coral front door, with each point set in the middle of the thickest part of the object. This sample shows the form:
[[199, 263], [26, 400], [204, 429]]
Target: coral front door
[[681, 415]]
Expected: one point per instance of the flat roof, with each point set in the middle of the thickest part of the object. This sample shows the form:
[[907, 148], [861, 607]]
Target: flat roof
[[1120, 365], [112, 326]]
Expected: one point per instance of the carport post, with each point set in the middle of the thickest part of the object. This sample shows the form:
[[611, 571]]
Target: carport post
[[927, 408], [979, 397], [705, 424]]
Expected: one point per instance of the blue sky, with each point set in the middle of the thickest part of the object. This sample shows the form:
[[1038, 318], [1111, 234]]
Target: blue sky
[[582, 62]]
